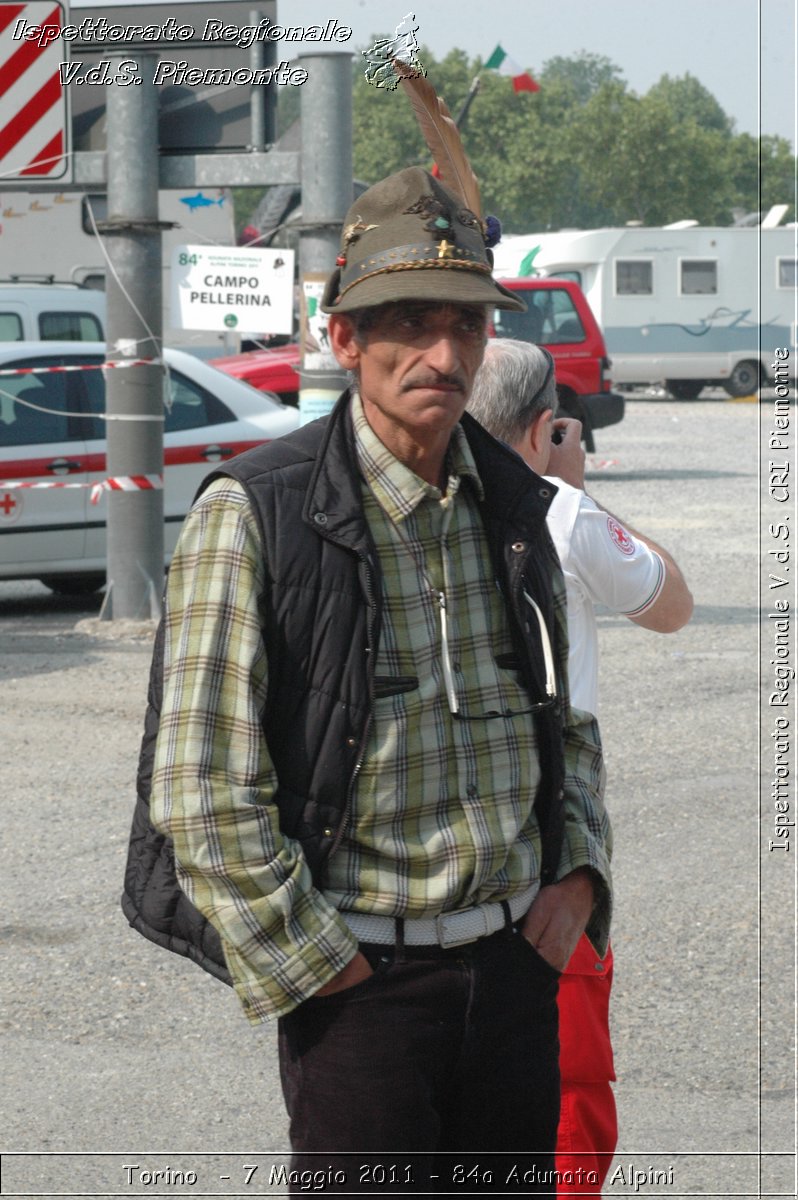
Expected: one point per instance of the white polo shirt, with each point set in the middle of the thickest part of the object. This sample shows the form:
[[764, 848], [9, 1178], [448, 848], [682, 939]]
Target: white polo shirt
[[603, 564]]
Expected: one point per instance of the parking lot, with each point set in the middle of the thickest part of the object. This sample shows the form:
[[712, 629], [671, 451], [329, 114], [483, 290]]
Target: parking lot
[[114, 1047]]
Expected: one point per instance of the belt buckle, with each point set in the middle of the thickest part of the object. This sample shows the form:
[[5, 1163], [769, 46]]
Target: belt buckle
[[448, 940]]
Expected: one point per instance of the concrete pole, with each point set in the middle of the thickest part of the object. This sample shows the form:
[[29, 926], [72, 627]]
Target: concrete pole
[[134, 330], [327, 193]]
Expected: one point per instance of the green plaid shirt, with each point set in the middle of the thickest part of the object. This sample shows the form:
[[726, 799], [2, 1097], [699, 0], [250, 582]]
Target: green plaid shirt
[[442, 814]]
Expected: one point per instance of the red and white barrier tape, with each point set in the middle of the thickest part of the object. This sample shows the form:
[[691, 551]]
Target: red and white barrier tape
[[133, 362], [118, 483], [126, 483], [601, 464]]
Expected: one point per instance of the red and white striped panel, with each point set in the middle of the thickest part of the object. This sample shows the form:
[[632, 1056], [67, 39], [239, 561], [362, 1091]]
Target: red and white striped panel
[[33, 102]]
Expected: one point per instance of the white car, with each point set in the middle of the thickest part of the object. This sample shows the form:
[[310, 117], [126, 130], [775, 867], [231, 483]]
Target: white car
[[56, 534]]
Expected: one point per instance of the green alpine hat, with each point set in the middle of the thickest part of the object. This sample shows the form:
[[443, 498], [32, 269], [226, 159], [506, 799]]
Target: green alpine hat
[[409, 238]]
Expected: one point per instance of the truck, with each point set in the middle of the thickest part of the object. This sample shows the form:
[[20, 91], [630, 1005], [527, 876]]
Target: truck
[[48, 240], [685, 305]]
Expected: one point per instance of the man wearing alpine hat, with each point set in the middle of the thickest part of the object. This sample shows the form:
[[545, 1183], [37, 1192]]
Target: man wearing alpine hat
[[377, 791]]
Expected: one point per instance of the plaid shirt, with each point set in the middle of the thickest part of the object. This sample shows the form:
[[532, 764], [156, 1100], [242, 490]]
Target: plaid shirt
[[442, 813]]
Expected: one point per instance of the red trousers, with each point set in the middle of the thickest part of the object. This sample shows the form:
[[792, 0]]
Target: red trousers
[[588, 1129]]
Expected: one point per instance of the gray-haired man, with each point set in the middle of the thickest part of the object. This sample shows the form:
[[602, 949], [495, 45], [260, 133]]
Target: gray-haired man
[[376, 790]]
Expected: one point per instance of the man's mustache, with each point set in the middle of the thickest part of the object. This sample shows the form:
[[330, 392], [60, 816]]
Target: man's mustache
[[434, 381]]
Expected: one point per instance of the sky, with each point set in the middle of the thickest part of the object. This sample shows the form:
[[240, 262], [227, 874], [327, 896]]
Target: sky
[[742, 51]]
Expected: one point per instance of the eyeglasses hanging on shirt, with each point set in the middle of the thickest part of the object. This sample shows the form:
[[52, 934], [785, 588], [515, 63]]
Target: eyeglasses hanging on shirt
[[446, 660], [448, 673]]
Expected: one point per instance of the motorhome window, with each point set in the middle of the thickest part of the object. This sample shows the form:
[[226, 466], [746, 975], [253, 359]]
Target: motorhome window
[[69, 327], [634, 277], [787, 273], [10, 327], [699, 277]]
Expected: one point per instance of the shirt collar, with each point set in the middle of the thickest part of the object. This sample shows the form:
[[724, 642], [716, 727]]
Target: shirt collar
[[399, 490]]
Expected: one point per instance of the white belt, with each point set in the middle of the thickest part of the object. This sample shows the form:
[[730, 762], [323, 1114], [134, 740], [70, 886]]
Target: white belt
[[449, 929]]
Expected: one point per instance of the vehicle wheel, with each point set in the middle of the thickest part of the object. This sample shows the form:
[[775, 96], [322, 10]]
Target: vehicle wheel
[[684, 389], [73, 585], [744, 379]]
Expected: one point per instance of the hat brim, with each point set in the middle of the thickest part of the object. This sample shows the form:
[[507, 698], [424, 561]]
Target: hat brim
[[439, 286]]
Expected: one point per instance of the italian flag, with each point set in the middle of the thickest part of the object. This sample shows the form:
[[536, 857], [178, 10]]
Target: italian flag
[[501, 62]]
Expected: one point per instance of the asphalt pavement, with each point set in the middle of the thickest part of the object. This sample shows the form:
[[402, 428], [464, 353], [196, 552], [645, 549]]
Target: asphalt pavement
[[121, 1060]]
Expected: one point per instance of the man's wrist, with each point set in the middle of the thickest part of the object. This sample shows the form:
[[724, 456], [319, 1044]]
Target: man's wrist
[[586, 876]]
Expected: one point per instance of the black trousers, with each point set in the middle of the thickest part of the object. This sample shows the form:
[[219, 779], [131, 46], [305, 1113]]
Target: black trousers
[[436, 1073]]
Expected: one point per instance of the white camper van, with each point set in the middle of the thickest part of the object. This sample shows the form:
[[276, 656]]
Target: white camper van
[[686, 305], [52, 237]]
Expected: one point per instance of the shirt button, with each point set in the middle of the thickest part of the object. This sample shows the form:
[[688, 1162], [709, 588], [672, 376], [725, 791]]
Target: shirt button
[[350, 741], [320, 518], [599, 966], [472, 792], [518, 547], [327, 832]]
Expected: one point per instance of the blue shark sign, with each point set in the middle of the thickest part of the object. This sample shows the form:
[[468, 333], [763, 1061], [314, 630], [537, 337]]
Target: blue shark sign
[[238, 290], [200, 200]]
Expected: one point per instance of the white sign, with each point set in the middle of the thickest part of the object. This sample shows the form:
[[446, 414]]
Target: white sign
[[316, 352], [244, 291]]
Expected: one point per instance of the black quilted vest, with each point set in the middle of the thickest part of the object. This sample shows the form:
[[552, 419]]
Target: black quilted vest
[[321, 631]]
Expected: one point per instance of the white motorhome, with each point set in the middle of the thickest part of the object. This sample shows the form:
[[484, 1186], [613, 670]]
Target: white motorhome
[[684, 304], [52, 237]]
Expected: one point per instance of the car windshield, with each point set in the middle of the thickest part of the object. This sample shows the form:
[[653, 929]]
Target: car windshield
[[550, 319]]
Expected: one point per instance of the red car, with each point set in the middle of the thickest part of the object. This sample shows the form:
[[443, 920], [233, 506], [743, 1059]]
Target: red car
[[267, 370], [558, 317]]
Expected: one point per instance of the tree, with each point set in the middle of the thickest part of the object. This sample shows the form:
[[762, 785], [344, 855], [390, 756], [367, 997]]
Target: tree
[[583, 151], [386, 134], [637, 162], [582, 74], [777, 174], [689, 100]]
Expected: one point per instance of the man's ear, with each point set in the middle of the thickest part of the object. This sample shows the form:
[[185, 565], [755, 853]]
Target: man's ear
[[342, 339], [539, 434]]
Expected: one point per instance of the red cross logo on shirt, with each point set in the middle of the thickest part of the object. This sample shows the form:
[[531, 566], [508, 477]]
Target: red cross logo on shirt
[[620, 537]]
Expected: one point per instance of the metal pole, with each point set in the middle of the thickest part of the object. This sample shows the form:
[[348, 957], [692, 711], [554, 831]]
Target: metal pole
[[326, 157], [327, 193], [262, 97], [135, 330], [469, 100]]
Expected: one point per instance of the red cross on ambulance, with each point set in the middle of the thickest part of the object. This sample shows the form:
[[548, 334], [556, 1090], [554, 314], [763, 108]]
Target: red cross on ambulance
[[10, 507]]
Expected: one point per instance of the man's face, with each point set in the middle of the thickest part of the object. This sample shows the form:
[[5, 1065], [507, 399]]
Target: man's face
[[416, 364]]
